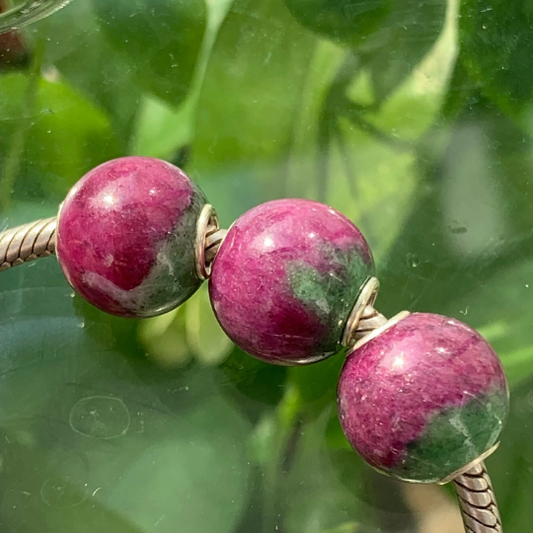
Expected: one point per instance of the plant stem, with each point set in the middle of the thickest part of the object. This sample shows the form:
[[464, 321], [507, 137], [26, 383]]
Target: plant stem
[[286, 418], [18, 142], [353, 114], [327, 119]]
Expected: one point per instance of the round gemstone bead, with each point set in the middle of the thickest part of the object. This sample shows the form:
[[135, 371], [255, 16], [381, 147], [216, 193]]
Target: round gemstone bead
[[423, 399], [286, 278], [126, 234]]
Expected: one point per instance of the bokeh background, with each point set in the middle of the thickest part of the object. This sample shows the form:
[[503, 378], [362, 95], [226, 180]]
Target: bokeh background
[[412, 117]]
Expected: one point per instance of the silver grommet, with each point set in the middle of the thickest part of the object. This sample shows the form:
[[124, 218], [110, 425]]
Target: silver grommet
[[207, 225], [367, 297]]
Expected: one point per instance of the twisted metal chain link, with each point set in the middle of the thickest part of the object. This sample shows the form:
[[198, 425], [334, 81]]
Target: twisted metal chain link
[[27, 242], [477, 501], [370, 320]]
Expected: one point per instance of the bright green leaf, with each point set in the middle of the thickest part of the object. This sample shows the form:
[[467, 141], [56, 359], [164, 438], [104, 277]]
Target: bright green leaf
[[317, 384], [63, 136], [163, 129], [164, 339]]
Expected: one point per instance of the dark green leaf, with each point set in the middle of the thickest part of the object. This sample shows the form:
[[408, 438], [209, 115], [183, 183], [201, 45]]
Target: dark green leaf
[[392, 36], [401, 41], [497, 50], [254, 384], [343, 21], [164, 130], [159, 40], [77, 47]]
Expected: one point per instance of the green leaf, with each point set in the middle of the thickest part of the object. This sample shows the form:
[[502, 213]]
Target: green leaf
[[164, 339], [391, 36], [77, 48], [191, 330], [50, 498], [343, 21], [317, 384], [254, 384], [63, 136], [260, 58], [401, 41], [489, 163], [474, 209], [208, 342], [116, 452], [497, 50], [323, 491], [338, 140], [159, 40], [99, 437], [163, 129], [176, 458], [502, 313]]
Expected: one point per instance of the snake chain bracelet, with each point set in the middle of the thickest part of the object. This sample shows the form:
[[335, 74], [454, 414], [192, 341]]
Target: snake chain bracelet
[[421, 397]]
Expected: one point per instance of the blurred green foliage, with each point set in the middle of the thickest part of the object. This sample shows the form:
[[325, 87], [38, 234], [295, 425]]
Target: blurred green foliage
[[412, 118]]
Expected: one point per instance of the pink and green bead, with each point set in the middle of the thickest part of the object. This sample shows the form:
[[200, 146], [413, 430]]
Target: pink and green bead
[[286, 278], [423, 399], [126, 234]]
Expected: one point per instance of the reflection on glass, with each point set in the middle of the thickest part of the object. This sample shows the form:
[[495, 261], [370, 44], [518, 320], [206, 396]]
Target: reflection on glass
[[15, 14]]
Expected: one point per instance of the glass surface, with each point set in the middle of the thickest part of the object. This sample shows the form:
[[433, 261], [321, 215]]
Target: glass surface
[[414, 119]]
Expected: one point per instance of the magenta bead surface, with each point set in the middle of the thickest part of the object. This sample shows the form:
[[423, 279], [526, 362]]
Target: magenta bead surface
[[126, 235], [286, 278], [423, 399]]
